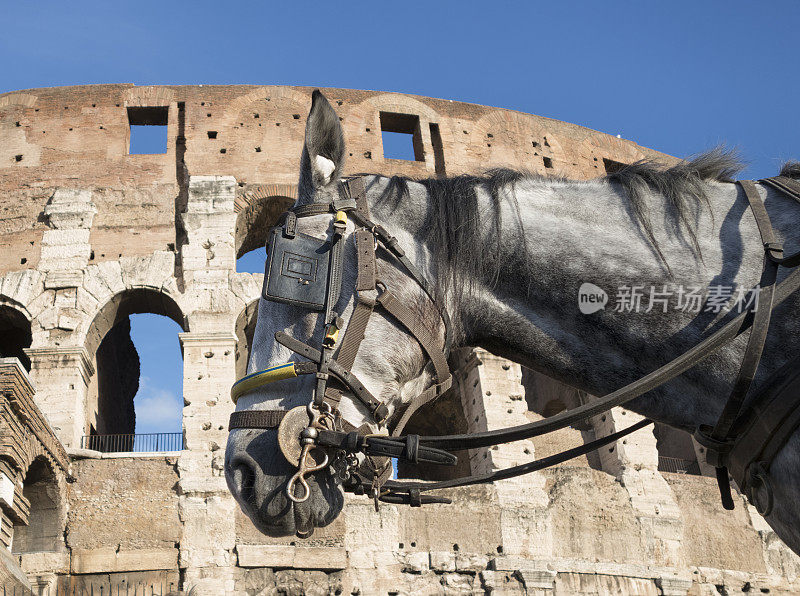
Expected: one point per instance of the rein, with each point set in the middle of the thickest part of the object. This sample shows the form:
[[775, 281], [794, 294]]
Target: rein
[[744, 442]]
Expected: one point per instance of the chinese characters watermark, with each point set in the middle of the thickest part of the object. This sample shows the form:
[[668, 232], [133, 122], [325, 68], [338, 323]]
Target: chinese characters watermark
[[665, 298]]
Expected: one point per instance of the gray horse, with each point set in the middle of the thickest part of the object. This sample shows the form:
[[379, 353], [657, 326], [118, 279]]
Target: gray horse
[[509, 252]]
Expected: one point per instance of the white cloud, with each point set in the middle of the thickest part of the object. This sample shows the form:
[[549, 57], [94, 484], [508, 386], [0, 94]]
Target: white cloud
[[157, 409]]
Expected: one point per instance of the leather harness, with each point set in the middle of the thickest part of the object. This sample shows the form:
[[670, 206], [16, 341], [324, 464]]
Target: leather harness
[[742, 443]]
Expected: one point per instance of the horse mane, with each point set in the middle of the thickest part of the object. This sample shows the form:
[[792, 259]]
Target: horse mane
[[791, 169], [453, 224], [682, 186]]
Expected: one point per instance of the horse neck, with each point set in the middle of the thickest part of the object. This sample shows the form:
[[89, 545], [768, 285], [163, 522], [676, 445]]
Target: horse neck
[[567, 233]]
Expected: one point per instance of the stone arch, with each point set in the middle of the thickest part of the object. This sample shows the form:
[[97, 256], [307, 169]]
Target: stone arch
[[152, 95], [15, 331], [109, 399], [269, 121], [245, 330], [43, 497], [546, 397], [367, 115], [676, 450], [273, 92], [130, 301], [26, 100], [397, 102], [257, 210]]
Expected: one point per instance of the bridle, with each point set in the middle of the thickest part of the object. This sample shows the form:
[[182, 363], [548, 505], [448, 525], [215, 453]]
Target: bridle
[[306, 271]]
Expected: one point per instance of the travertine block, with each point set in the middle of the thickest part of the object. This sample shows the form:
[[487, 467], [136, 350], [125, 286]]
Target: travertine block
[[105, 560]]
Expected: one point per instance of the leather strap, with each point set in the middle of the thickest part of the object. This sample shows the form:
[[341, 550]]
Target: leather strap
[[391, 245], [721, 433], [256, 419], [770, 421], [791, 188], [374, 445], [413, 324], [357, 325], [755, 344], [514, 471], [377, 408], [365, 249], [354, 334], [682, 363], [784, 184], [358, 193]]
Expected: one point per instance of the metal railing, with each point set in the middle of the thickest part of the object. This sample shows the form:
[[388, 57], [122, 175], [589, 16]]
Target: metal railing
[[133, 443], [678, 466]]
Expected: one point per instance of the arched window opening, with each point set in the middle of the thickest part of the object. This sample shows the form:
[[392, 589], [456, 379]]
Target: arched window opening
[[245, 331], [135, 399], [44, 531], [553, 407], [15, 335], [159, 401], [547, 397], [117, 367], [676, 451], [253, 261], [444, 416], [253, 224]]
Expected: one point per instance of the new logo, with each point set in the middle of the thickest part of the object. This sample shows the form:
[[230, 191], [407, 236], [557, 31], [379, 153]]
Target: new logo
[[591, 298]]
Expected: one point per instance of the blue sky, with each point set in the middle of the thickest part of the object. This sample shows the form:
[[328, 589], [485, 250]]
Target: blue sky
[[678, 76]]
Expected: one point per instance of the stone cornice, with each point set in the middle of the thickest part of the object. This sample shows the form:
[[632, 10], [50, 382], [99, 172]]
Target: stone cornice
[[78, 352]]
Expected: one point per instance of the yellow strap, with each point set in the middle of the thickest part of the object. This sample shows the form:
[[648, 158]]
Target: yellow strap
[[262, 377]]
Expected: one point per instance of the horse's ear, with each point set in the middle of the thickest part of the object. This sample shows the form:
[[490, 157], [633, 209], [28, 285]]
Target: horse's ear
[[323, 154]]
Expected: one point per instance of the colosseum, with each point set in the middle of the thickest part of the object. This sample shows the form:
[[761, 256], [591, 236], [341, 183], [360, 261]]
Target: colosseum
[[92, 233]]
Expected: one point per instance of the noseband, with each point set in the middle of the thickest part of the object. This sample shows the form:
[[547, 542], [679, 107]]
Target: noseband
[[306, 271]]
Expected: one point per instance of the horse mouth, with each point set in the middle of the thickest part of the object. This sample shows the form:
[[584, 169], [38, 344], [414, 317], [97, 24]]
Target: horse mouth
[[303, 520]]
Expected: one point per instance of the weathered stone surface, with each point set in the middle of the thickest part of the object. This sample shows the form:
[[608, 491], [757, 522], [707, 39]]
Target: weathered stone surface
[[98, 234], [44, 562], [107, 559], [299, 557], [126, 503]]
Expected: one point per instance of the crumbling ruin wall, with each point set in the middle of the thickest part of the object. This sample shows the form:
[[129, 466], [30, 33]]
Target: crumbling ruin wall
[[90, 234]]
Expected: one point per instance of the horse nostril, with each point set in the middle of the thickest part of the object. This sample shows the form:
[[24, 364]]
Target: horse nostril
[[244, 479], [305, 533]]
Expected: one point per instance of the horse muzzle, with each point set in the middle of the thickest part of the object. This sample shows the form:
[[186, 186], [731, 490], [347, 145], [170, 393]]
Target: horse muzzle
[[257, 474]]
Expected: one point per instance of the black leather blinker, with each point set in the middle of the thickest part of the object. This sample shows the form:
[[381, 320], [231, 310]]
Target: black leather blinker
[[297, 269]]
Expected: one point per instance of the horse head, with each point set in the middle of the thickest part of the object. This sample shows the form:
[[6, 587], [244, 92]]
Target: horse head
[[389, 363]]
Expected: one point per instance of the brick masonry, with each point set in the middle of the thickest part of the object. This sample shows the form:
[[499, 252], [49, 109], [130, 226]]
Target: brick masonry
[[90, 234]]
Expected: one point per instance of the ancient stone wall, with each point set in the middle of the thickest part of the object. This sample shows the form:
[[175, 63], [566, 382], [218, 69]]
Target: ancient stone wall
[[78, 138], [90, 234]]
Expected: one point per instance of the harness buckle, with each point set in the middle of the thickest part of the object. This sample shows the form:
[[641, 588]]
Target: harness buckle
[[381, 414], [759, 488], [340, 223], [716, 451], [290, 227], [774, 250], [331, 335]]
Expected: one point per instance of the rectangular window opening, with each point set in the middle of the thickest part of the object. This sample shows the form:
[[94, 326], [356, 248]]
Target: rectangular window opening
[[148, 130], [438, 150], [401, 136], [612, 167]]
